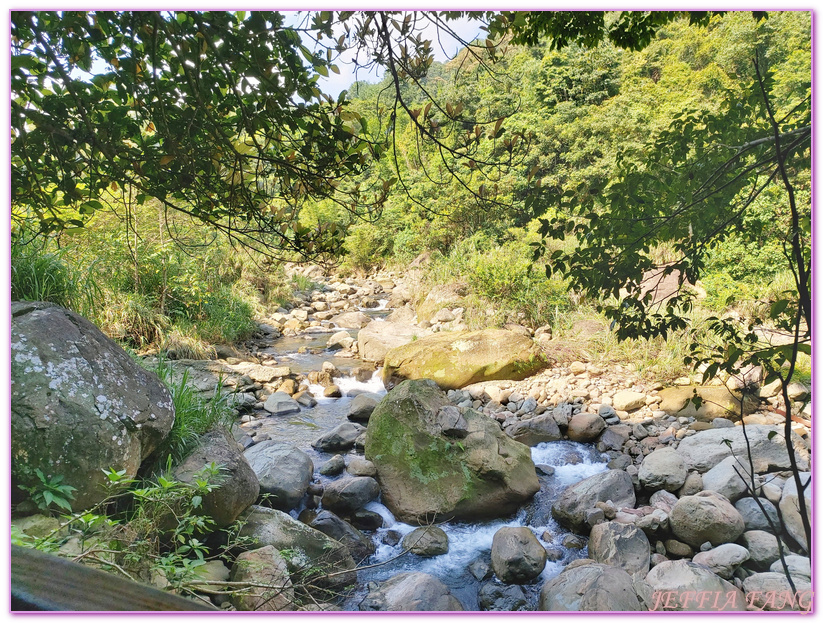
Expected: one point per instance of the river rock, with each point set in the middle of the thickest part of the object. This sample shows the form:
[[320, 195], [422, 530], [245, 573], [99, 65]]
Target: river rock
[[263, 566], [348, 494], [705, 516], [496, 598], [662, 469], [237, 482], [427, 541], [361, 467], [771, 591], [339, 438], [361, 407], [723, 559], [588, 586], [424, 474], [535, 430], [585, 427], [351, 320], [718, 402], [411, 592], [571, 506], [684, 585], [725, 478], [306, 546], [517, 556], [455, 359], [377, 338], [280, 403], [284, 472], [627, 400], [790, 508], [360, 546], [800, 567], [621, 545], [753, 517], [334, 466], [762, 546], [339, 340], [707, 448], [79, 403], [441, 297]]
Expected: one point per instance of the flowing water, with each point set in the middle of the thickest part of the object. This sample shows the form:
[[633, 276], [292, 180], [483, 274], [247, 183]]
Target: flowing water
[[468, 541]]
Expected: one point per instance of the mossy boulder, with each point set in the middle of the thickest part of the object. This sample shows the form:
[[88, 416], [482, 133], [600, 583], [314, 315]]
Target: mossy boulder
[[427, 470], [455, 359]]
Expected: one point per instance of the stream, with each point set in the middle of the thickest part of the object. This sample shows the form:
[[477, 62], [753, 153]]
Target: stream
[[469, 542]]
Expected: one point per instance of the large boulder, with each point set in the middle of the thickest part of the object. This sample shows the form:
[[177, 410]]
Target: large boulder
[[454, 359], [585, 427], [263, 566], [303, 548], [763, 548], [441, 297], [79, 403], [348, 494], [621, 545], [284, 472], [280, 403], [341, 437], [497, 598], [427, 541], [351, 320], [705, 516], [517, 556], [426, 473], [536, 430], [588, 586], [707, 448], [757, 513], [377, 338], [730, 478], [361, 407], [684, 585], [716, 402], [411, 592], [360, 546], [571, 507], [723, 559], [662, 469], [790, 508], [238, 486]]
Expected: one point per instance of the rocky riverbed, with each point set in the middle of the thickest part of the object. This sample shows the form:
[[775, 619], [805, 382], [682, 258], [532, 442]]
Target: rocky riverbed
[[541, 484]]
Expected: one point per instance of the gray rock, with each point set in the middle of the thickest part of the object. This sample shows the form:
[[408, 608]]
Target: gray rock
[[366, 520], [678, 549], [349, 494], [707, 448], [589, 586], [411, 592], [721, 422], [280, 403], [535, 430], [762, 546], [427, 541], [361, 407], [723, 559], [771, 591], [358, 544], [662, 469], [517, 556], [339, 340], [725, 478], [361, 467], [705, 516], [339, 438], [480, 569], [684, 585], [622, 546], [238, 486], [571, 506], [585, 427], [497, 598], [451, 422], [790, 508], [306, 546], [351, 320], [79, 403], [800, 567], [263, 566], [610, 440], [284, 472], [753, 517], [693, 484], [334, 466]]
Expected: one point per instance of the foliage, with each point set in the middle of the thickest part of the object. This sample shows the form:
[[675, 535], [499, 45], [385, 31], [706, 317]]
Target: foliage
[[50, 491], [193, 414]]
